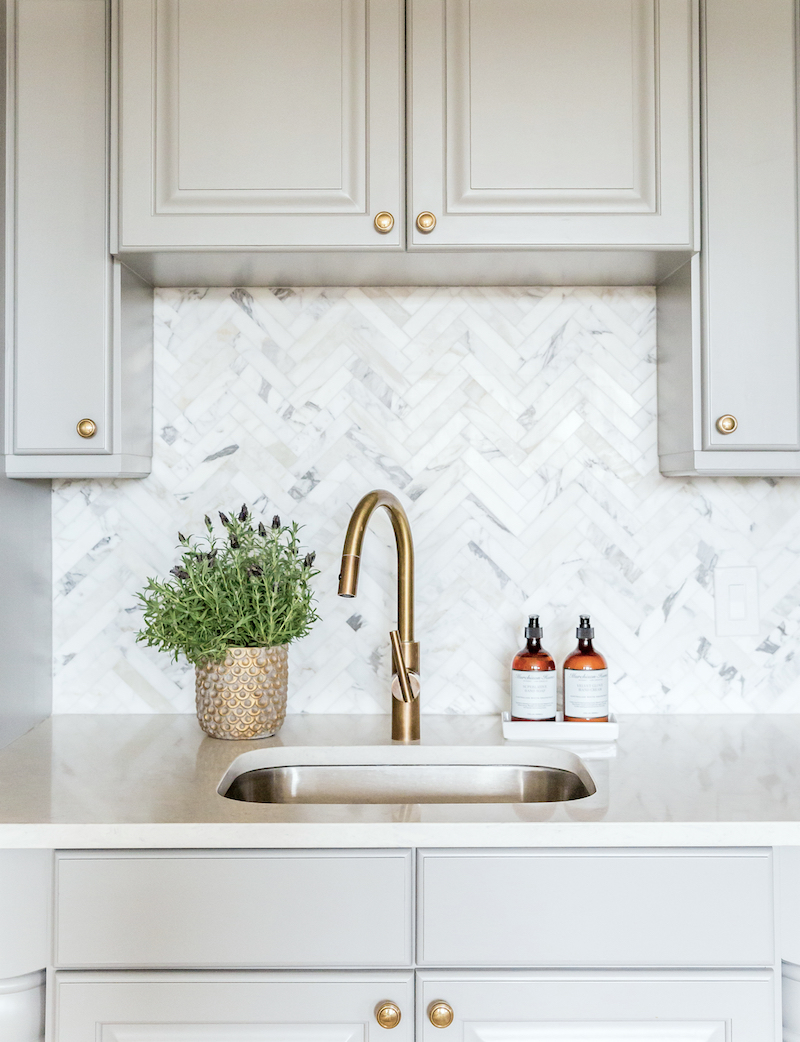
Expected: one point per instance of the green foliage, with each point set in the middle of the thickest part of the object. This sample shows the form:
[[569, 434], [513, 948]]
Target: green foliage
[[249, 589]]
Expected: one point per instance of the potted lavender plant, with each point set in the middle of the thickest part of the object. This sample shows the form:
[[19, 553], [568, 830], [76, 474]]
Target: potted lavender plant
[[232, 607]]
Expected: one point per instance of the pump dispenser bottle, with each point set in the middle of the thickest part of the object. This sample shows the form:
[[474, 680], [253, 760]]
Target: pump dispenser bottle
[[533, 678], [585, 679]]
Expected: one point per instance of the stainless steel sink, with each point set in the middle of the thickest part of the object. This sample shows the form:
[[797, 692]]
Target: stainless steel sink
[[411, 782]]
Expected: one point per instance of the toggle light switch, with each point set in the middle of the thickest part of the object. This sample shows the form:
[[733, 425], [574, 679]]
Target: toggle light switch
[[736, 602]]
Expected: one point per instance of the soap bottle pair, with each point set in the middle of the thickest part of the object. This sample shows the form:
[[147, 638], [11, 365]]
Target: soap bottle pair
[[533, 679]]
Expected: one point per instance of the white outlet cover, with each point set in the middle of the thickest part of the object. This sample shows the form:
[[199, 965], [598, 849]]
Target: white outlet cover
[[736, 602]]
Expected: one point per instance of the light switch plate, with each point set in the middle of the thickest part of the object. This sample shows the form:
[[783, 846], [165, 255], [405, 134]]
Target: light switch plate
[[736, 601]]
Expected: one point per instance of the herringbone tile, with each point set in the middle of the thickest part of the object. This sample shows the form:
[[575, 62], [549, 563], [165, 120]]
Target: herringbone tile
[[518, 427]]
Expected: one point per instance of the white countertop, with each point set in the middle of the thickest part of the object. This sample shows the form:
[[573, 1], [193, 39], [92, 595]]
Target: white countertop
[[150, 781]]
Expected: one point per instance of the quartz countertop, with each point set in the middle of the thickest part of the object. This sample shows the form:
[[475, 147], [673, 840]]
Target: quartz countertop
[[151, 781]]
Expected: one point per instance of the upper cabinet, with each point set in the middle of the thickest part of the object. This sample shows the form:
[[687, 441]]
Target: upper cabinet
[[261, 123], [728, 353], [78, 326], [551, 122], [268, 124]]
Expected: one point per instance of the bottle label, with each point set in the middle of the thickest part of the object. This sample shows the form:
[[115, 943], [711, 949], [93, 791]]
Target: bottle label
[[586, 693], [533, 693]]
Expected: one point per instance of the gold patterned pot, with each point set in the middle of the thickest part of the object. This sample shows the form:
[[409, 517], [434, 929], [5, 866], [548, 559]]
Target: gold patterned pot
[[244, 696]]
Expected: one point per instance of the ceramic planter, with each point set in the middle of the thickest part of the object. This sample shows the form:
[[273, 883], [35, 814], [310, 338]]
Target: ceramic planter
[[244, 696]]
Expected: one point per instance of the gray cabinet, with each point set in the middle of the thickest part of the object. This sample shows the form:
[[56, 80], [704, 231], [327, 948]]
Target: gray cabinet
[[260, 124], [728, 321], [522, 945], [231, 1007], [595, 1006], [78, 325], [552, 124], [267, 125]]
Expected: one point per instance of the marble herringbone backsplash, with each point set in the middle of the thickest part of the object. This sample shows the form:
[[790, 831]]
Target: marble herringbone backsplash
[[518, 428]]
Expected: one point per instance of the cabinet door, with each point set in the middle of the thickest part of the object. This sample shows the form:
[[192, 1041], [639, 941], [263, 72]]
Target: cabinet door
[[61, 273], [552, 122], [260, 123], [230, 1007], [79, 326], [595, 1006], [750, 270]]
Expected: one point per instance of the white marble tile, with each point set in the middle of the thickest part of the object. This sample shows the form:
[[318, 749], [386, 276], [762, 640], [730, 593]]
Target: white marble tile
[[518, 427]]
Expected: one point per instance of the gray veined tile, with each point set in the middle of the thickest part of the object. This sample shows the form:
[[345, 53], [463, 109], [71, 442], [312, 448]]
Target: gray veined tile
[[517, 424]]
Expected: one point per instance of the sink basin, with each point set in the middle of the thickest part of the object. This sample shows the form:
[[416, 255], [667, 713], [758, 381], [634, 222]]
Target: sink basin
[[419, 779]]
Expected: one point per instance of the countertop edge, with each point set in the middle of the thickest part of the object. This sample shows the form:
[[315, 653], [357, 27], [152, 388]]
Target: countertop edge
[[272, 835]]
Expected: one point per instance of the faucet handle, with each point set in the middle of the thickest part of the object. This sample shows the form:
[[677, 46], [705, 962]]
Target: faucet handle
[[400, 668]]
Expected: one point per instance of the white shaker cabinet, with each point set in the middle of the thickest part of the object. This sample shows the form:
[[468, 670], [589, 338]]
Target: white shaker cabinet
[[552, 123], [728, 323], [260, 124], [78, 326]]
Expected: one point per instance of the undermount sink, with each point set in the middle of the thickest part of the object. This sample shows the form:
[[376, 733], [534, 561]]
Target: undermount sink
[[551, 777]]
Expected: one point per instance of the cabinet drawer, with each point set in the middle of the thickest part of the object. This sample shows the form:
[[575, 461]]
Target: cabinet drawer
[[293, 908], [596, 908], [230, 1006]]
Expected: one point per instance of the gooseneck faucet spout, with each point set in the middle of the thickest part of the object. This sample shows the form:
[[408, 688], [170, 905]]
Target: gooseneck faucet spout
[[405, 650]]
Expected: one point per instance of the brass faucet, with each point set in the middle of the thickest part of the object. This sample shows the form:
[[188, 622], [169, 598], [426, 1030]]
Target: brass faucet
[[405, 650]]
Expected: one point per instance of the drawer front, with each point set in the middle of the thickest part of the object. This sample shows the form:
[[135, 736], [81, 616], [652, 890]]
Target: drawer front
[[230, 1006], [291, 908], [596, 908]]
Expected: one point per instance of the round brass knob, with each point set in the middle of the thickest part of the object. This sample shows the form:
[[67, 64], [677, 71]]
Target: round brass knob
[[387, 1015], [384, 222], [727, 424], [440, 1014], [86, 428], [426, 222]]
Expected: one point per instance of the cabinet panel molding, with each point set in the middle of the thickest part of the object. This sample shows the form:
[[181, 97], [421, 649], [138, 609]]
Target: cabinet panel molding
[[235, 1033], [592, 1031], [528, 132], [260, 108]]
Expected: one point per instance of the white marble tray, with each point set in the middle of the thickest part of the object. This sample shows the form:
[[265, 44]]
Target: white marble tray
[[558, 730]]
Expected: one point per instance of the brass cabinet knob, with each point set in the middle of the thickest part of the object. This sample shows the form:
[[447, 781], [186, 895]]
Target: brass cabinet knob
[[384, 222], [440, 1014], [727, 424], [426, 222], [86, 428], [387, 1015]]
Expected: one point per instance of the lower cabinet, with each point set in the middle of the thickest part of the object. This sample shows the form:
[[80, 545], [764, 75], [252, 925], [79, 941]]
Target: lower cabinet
[[232, 1007], [512, 1006], [594, 1005], [194, 946]]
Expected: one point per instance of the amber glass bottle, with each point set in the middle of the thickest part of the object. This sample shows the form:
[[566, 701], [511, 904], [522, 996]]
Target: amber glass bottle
[[585, 679], [533, 678]]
